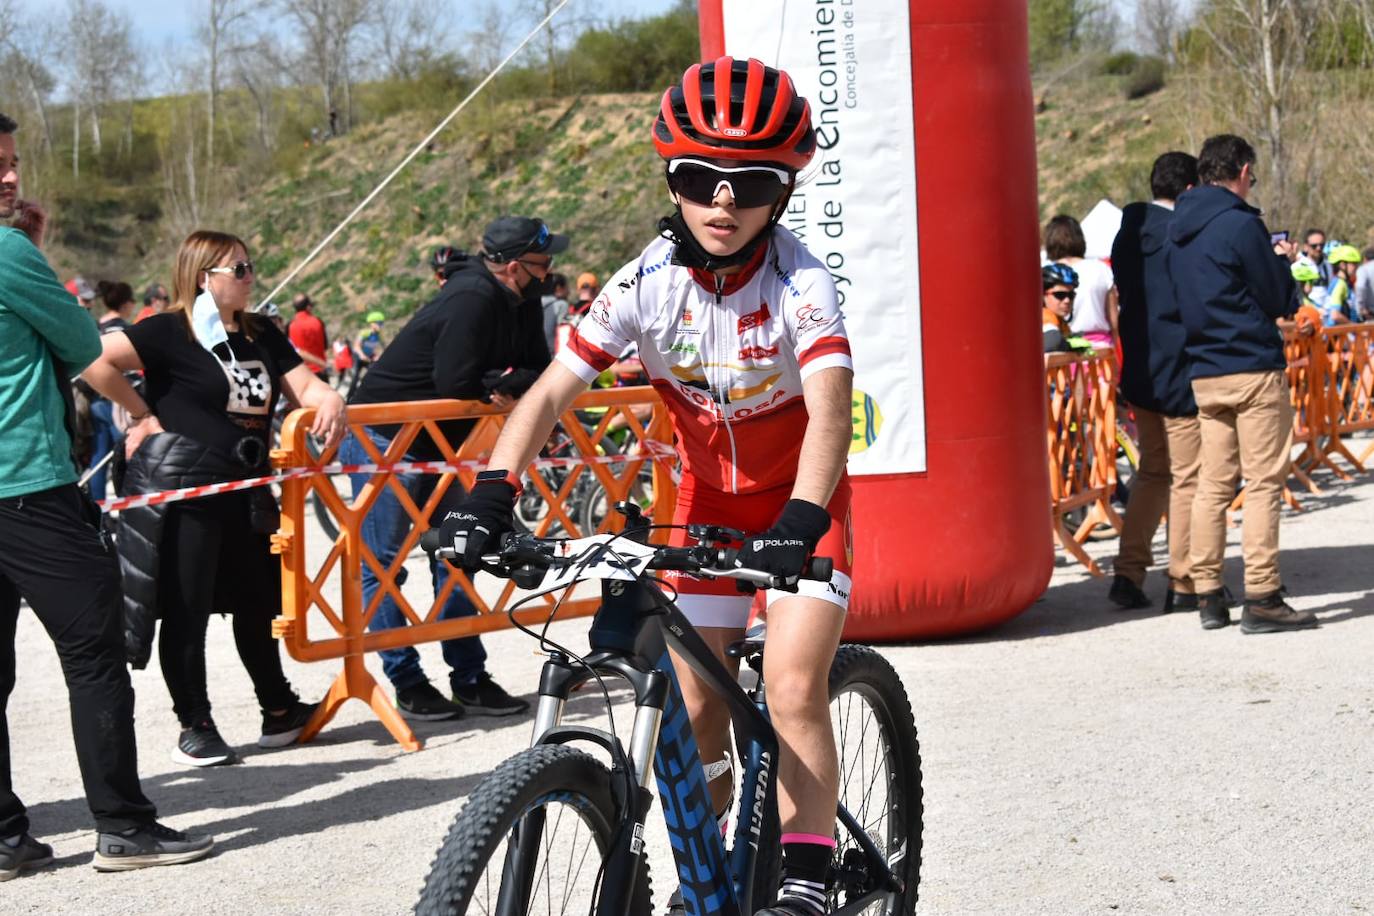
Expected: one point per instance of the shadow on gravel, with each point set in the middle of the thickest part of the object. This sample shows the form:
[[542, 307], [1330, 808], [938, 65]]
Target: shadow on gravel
[[1309, 573], [189, 798], [364, 803]]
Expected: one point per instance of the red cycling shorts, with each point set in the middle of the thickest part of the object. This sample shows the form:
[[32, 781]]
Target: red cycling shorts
[[717, 602]]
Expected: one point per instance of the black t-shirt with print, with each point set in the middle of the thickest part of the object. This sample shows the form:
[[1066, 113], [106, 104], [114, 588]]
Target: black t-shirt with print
[[207, 397]]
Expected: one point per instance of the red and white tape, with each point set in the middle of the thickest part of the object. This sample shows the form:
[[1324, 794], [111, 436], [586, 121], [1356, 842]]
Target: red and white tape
[[657, 451]]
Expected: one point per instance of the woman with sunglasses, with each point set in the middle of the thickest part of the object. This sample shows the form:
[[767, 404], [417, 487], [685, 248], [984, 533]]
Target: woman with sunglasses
[[213, 371], [739, 329]]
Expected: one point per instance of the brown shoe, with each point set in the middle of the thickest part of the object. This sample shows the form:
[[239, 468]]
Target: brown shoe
[[1271, 614]]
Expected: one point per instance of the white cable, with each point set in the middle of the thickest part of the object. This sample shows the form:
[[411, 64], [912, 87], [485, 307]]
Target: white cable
[[415, 152]]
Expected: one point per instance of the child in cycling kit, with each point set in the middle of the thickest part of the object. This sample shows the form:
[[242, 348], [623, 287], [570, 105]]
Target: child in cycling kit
[[739, 331]]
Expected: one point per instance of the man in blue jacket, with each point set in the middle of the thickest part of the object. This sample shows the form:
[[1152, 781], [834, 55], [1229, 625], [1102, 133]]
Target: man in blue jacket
[[1232, 285], [1154, 381]]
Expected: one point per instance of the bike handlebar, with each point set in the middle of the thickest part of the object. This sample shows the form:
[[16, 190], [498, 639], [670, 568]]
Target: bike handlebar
[[530, 554]]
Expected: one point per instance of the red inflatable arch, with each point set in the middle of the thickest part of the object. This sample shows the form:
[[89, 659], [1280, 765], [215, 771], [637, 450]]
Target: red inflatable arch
[[965, 544]]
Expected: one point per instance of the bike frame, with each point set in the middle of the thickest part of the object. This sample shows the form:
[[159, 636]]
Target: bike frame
[[630, 637]]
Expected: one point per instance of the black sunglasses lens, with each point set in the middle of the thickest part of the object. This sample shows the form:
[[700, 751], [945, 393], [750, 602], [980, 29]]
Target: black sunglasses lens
[[756, 188], [242, 269], [1063, 296]]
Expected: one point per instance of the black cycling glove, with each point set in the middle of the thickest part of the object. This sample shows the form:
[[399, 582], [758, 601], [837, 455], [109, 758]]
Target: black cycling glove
[[782, 551], [479, 521]]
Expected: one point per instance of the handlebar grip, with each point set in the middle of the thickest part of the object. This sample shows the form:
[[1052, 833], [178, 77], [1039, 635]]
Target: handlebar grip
[[429, 541], [820, 569]]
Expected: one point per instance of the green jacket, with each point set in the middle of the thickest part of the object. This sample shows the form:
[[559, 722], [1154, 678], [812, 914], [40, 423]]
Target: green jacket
[[39, 321]]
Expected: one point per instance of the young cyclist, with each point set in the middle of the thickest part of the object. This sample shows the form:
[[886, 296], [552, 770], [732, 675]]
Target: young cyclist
[[738, 329]]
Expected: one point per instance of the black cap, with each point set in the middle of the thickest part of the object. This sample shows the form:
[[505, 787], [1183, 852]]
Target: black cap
[[510, 237]]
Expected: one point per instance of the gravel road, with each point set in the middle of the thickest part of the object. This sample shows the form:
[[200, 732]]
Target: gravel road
[[1076, 760]]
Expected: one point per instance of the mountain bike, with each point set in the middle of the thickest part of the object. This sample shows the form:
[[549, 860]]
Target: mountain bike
[[554, 830]]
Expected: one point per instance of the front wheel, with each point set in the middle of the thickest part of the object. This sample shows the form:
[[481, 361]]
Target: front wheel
[[880, 778], [531, 839]]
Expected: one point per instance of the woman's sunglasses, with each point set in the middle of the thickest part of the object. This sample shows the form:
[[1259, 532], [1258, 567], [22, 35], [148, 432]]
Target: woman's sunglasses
[[239, 270], [1063, 295], [749, 186]]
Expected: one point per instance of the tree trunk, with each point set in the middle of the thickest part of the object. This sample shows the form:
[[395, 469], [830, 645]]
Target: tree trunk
[[76, 139], [42, 111], [95, 130]]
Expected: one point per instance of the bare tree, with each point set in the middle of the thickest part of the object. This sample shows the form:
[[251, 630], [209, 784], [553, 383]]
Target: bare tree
[[330, 30], [405, 36], [23, 76], [1262, 46], [260, 67], [99, 47], [219, 34], [1157, 23]]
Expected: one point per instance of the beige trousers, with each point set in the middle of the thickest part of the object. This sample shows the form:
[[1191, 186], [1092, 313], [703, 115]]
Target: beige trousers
[[1247, 431], [1165, 481]]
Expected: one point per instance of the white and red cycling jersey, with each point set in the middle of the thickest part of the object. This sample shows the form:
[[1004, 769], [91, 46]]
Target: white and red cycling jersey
[[728, 356]]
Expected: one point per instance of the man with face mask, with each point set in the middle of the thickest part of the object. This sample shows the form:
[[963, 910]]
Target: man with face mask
[[480, 338]]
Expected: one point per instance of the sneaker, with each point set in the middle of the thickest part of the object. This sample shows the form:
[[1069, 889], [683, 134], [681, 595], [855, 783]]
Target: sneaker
[[1179, 601], [486, 698], [279, 731], [675, 904], [1271, 614], [423, 703], [149, 845], [201, 746], [1211, 609], [27, 854], [1127, 595]]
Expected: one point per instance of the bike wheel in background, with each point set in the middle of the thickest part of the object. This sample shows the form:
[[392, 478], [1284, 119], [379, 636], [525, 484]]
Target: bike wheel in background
[[555, 805], [880, 778]]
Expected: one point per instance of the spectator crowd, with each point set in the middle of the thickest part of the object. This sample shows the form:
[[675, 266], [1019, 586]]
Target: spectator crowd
[[1196, 297], [105, 392]]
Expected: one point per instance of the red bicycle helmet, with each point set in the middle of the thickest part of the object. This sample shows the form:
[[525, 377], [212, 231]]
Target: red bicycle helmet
[[736, 109]]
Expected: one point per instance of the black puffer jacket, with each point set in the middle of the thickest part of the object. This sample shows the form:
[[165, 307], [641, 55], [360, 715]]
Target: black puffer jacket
[[165, 461]]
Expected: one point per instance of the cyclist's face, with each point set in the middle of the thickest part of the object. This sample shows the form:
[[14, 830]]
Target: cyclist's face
[[720, 227], [1057, 302]]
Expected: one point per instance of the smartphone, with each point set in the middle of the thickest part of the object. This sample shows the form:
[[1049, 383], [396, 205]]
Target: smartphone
[[1276, 237]]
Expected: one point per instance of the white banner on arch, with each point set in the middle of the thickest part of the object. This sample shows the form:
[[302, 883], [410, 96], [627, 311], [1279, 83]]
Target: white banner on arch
[[851, 59]]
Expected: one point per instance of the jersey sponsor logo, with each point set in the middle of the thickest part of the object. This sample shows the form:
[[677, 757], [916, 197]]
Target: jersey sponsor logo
[[629, 282], [757, 352], [810, 314], [250, 387], [686, 317], [682, 347], [754, 319], [784, 277], [601, 312]]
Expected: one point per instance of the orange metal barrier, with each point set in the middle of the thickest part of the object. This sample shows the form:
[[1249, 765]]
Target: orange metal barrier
[[1349, 387], [1081, 437], [328, 589]]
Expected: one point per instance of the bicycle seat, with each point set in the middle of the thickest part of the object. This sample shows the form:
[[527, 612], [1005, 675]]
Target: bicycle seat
[[751, 645]]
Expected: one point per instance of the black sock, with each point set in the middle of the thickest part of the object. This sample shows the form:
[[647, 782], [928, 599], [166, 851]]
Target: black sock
[[805, 872]]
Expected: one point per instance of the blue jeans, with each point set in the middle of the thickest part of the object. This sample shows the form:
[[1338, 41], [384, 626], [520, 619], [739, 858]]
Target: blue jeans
[[103, 439], [383, 529]]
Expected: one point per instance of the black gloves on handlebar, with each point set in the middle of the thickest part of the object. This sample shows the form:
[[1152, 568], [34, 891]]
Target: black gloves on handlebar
[[476, 525], [782, 551]]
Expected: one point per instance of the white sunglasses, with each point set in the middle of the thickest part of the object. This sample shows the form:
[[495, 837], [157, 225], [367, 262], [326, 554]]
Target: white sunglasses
[[749, 185]]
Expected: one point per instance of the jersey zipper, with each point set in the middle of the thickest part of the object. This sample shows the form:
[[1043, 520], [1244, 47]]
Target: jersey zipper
[[723, 354]]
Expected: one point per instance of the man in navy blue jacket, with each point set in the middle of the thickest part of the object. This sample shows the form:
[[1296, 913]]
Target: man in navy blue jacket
[[1231, 285], [1154, 381]]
